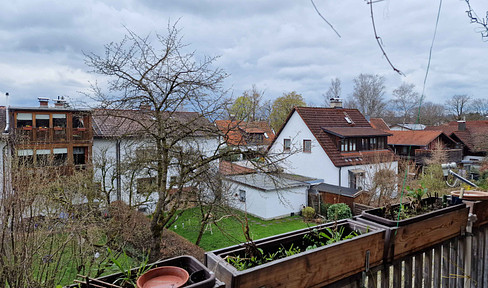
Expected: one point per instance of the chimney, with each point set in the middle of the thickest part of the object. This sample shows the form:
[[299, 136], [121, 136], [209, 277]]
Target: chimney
[[461, 125], [145, 107], [60, 102], [335, 103], [43, 102]]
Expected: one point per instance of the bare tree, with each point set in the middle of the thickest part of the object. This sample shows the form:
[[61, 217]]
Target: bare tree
[[368, 95], [458, 105], [405, 100], [334, 91], [480, 106], [432, 114], [165, 79]]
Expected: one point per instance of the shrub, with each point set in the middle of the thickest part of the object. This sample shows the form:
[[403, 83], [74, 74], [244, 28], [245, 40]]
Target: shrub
[[308, 213], [323, 208], [339, 211]]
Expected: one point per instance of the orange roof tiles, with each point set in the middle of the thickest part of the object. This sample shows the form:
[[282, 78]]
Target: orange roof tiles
[[237, 132], [413, 137], [379, 123]]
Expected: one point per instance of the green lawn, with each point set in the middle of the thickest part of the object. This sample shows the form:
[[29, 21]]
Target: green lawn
[[230, 232]]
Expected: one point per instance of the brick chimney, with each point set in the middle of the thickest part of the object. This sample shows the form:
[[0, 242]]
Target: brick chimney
[[335, 103], [461, 125], [60, 102], [43, 102]]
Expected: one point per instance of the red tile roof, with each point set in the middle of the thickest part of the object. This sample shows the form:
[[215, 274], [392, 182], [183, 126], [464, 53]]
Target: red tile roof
[[229, 168], [317, 119], [236, 132], [473, 137], [379, 123], [414, 137]]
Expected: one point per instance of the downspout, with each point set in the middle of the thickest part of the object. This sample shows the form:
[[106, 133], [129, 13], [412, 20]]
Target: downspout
[[117, 167], [340, 168]]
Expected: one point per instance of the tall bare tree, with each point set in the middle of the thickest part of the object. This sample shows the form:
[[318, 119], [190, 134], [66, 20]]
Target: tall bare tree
[[249, 106], [432, 114], [334, 90], [458, 105], [368, 95], [165, 78], [405, 100]]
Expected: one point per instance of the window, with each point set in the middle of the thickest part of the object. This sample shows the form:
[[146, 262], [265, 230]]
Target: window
[[78, 121], [286, 144], [307, 146], [79, 155], [242, 195], [24, 120], [60, 156], [42, 157], [42, 120], [146, 185], [26, 157], [59, 120], [356, 178]]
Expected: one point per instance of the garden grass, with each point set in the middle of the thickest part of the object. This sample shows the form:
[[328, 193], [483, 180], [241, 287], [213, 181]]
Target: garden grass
[[229, 231]]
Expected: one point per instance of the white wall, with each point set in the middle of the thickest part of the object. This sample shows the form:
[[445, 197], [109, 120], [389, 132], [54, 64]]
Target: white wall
[[106, 148], [315, 164], [269, 204]]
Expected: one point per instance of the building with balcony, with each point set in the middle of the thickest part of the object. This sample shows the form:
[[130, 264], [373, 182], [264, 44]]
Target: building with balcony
[[48, 136]]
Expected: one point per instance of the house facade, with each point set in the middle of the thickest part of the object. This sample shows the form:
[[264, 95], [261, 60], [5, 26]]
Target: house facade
[[334, 144], [125, 155], [251, 138]]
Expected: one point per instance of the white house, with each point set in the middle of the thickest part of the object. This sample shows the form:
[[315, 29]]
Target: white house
[[269, 196], [119, 144], [335, 144]]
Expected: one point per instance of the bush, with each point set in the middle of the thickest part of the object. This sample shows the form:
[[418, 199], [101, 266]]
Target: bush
[[323, 208], [339, 211], [308, 213]]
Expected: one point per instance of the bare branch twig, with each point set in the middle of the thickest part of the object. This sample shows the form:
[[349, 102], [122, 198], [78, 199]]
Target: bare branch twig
[[318, 12]]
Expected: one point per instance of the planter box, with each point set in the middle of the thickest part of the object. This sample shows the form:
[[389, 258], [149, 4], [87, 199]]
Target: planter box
[[200, 276], [419, 232], [313, 268]]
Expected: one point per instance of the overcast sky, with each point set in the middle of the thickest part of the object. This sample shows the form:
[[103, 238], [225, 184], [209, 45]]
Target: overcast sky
[[279, 46]]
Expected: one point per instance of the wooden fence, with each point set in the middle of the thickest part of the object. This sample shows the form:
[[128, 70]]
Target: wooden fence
[[441, 265]]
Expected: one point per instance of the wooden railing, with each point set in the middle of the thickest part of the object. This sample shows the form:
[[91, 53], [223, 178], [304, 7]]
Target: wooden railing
[[441, 265]]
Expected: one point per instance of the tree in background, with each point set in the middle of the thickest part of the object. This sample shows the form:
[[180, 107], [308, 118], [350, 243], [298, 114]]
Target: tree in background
[[249, 106], [334, 91], [282, 107], [432, 114], [405, 100], [479, 109], [368, 94], [458, 105]]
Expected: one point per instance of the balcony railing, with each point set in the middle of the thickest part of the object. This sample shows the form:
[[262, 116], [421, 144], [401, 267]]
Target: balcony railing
[[453, 155], [49, 135]]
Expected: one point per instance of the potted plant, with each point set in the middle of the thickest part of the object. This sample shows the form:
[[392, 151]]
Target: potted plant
[[328, 252], [420, 223], [27, 127]]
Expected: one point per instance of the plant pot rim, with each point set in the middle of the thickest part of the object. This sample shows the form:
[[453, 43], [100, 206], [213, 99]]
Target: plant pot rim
[[164, 276], [368, 214]]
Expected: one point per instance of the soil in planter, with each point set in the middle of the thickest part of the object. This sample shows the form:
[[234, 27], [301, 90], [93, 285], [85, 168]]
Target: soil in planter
[[405, 211], [314, 239]]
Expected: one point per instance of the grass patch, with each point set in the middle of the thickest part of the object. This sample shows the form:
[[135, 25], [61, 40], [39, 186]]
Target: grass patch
[[230, 232]]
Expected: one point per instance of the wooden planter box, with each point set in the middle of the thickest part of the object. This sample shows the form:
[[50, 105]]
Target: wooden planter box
[[419, 232], [313, 268], [200, 276]]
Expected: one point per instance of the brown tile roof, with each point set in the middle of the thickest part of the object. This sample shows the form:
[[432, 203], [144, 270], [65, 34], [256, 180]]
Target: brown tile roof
[[474, 137], [119, 123], [229, 168], [317, 119], [379, 123], [236, 132], [413, 137]]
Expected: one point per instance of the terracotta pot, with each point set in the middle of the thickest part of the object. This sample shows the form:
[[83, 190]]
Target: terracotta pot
[[163, 277]]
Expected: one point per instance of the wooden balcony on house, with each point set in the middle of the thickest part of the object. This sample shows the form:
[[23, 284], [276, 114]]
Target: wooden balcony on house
[[453, 155]]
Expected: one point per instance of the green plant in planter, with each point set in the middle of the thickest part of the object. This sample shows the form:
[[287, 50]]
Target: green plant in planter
[[338, 211], [329, 236], [416, 196]]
